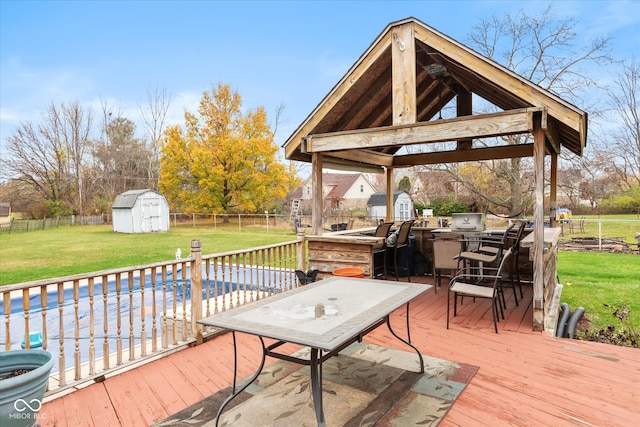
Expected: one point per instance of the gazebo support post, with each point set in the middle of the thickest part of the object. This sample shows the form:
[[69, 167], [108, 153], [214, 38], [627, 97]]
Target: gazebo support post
[[316, 190], [389, 194], [538, 231], [553, 190]]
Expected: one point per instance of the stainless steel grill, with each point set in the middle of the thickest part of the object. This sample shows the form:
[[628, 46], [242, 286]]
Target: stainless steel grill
[[467, 222]]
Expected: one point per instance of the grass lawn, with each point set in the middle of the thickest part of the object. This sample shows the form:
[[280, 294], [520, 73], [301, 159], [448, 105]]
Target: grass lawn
[[624, 227], [591, 280], [71, 250]]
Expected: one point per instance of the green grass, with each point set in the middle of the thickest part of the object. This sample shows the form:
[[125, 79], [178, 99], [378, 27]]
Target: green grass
[[591, 280], [609, 226], [71, 250]]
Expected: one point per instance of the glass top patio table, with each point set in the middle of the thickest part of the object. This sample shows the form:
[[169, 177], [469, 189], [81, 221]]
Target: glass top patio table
[[326, 316], [323, 314]]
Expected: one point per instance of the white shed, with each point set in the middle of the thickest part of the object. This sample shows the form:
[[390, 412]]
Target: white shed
[[140, 211], [403, 208]]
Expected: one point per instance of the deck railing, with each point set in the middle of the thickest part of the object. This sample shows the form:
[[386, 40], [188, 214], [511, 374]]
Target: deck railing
[[96, 323]]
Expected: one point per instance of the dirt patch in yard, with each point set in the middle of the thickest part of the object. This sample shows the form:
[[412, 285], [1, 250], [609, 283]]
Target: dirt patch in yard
[[615, 245]]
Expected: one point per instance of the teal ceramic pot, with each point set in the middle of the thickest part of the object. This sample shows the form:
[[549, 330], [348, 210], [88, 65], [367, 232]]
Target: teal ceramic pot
[[21, 395]]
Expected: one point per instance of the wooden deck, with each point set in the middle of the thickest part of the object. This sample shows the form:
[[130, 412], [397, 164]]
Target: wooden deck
[[525, 378]]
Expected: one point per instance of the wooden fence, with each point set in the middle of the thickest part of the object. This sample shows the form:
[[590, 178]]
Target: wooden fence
[[25, 225]]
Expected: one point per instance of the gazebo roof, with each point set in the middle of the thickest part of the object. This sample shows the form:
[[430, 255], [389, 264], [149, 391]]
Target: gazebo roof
[[390, 96]]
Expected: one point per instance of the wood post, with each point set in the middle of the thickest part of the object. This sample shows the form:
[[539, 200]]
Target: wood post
[[403, 75], [389, 193], [318, 196], [553, 191], [196, 289], [302, 251], [538, 231]]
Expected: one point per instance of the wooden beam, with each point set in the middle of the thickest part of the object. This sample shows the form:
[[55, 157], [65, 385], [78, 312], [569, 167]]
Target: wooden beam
[[349, 165], [459, 156], [464, 107], [479, 126], [550, 132], [317, 193], [583, 131], [363, 156], [403, 74]]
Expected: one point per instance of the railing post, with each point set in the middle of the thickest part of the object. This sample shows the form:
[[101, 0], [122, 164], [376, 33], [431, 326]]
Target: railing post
[[196, 289], [302, 251]]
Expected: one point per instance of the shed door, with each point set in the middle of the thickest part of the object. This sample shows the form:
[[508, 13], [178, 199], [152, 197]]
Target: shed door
[[150, 215]]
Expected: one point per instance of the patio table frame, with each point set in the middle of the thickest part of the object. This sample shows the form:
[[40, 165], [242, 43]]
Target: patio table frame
[[345, 321]]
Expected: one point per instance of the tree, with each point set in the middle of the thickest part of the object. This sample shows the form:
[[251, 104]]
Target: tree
[[405, 184], [223, 161], [548, 52], [591, 179], [626, 202], [121, 161], [625, 139], [154, 114], [48, 157]]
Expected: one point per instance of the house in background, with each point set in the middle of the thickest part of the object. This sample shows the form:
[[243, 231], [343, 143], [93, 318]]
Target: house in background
[[435, 184], [140, 211], [341, 191], [5, 213], [403, 208]]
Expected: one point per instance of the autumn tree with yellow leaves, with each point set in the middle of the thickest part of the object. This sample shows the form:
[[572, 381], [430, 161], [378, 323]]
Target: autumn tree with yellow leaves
[[223, 161]]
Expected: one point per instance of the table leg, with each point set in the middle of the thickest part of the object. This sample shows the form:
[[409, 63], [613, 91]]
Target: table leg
[[407, 342], [235, 393], [316, 386]]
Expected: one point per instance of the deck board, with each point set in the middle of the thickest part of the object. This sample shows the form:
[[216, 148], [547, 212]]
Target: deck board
[[101, 409], [525, 378], [163, 386]]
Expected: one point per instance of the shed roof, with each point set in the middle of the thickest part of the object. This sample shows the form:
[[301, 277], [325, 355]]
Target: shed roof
[[380, 198], [390, 96], [127, 200]]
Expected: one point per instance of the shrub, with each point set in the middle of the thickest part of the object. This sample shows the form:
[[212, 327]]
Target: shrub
[[444, 206]]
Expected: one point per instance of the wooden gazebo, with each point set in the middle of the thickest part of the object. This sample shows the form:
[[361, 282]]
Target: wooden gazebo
[[390, 97]]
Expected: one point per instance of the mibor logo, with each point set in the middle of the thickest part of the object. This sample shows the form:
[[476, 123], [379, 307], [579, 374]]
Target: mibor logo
[[22, 405]]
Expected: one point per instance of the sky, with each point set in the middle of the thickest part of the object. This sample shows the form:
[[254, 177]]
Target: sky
[[273, 53]]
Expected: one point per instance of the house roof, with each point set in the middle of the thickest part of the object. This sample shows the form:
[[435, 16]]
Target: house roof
[[340, 183], [380, 198], [388, 99]]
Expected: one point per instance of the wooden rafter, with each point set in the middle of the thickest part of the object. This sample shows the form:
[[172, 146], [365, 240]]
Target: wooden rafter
[[479, 126], [458, 156]]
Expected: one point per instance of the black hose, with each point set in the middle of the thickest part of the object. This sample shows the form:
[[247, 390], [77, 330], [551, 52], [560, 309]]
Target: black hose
[[562, 321], [573, 321]]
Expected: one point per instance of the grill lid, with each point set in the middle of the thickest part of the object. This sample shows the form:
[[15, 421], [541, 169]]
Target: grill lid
[[467, 222]]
